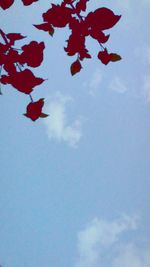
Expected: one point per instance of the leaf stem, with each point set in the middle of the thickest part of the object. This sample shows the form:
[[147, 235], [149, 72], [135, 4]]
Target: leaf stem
[[31, 98], [4, 36]]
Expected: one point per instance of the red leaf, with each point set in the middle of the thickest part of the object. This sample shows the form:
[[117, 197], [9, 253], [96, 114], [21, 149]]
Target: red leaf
[[67, 2], [4, 79], [81, 5], [44, 27], [102, 19], [11, 58], [43, 115], [32, 54], [6, 3], [75, 46], [34, 110], [75, 67], [28, 2], [104, 57], [14, 37], [24, 81], [99, 35], [58, 16], [115, 57]]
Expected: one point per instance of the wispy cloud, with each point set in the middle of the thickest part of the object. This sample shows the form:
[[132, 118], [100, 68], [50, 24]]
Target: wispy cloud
[[130, 255], [118, 85], [102, 243], [58, 127], [94, 83]]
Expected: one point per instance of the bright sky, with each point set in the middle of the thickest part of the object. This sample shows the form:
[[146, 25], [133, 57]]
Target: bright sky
[[74, 187]]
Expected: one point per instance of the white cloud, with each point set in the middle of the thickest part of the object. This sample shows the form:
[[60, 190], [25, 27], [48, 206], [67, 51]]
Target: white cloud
[[57, 124], [109, 244], [131, 256], [118, 85], [95, 82], [98, 237]]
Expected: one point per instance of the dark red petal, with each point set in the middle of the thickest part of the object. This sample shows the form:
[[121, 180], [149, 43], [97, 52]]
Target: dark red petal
[[6, 3], [28, 2], [34, 110], [102, 18], [75, 67], [104, 57], [32, 54]]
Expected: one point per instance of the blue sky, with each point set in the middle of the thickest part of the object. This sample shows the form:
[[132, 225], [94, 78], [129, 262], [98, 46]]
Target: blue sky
[[74, 188]]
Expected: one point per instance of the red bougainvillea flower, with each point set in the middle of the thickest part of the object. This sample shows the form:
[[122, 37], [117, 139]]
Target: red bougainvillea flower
[[32, 54], [24, 81], [58, 16], [105, 57], [34, 110]]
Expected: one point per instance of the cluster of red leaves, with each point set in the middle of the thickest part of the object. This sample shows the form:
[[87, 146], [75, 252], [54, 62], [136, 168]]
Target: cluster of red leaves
[[5, 4], [69, 13], [14, 63]]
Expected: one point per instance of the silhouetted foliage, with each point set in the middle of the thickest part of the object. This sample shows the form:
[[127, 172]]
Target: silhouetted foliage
[[14, 62]]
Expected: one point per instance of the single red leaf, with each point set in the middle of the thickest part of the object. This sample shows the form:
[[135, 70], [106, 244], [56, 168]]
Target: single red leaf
[[34, 110], [115, 57], [75, 67], [45, 27], [32, 54], [102, 19], [14, 37], [43, 115], [4, 4], [104, 57]]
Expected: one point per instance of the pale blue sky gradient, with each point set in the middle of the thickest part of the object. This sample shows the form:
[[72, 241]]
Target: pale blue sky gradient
[[51, 190]]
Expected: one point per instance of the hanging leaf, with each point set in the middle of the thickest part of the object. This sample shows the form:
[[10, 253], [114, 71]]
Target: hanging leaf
[[115, 57], [75, 67], [34, 110], [104, 57]]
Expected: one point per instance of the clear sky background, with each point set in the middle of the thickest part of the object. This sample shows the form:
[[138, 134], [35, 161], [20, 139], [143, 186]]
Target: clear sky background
[[74, 188]]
